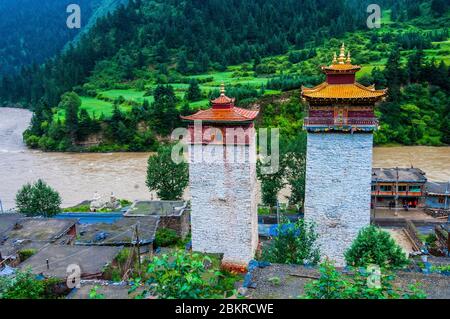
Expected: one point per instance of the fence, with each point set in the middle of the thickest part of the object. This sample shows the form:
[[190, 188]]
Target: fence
[[413, 235]]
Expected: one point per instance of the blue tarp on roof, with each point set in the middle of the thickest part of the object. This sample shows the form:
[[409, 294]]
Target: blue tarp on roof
[[92, 218]]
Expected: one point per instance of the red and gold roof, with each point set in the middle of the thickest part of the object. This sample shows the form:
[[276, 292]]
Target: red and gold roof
[[341, 82], [223, 111], [342, 91]]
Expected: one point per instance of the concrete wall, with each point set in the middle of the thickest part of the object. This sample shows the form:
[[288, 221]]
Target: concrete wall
[[338, 189], [223, 201]]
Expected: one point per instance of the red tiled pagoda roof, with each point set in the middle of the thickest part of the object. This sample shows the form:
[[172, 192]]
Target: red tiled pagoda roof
[[223, 111], [223, 115]]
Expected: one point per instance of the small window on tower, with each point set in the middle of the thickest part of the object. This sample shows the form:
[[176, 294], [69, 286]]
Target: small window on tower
[[386, 188]]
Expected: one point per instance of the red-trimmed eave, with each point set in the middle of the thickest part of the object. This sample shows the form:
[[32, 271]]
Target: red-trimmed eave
[[225, 115]]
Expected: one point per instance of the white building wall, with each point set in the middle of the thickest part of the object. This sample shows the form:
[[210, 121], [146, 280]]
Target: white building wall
[[338, 183], [223, 199]]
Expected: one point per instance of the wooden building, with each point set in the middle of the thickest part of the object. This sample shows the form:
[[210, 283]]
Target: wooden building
[[398, 187]]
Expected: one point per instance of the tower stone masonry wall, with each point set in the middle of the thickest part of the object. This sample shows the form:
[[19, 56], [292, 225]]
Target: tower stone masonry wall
[[224, 208], [338, 183]]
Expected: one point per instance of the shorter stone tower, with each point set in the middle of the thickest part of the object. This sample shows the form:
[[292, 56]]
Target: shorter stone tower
[[340, 127], [222, 172]]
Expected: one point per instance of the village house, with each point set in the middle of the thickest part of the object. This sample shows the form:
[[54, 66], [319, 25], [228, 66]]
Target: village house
[[173, 215], [437, 195], [33, 234], [124, 232], [404, 185], [57, 261]]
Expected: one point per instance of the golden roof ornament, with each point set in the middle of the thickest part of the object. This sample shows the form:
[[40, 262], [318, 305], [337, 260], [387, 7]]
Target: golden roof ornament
[[342, 55], [349, 59], [222, 89], [334, 58]]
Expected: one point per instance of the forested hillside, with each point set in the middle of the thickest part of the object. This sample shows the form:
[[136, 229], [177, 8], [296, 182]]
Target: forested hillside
[[136, 70], [32, 31]]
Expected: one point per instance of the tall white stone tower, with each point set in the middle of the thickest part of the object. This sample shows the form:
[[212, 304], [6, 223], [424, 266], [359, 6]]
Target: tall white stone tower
[[222, 182], [340, 127]]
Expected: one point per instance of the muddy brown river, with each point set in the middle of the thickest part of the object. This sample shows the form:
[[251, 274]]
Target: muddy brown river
[[78, 176]]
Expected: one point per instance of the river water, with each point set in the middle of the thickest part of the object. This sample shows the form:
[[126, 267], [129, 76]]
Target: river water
[[78, 176]]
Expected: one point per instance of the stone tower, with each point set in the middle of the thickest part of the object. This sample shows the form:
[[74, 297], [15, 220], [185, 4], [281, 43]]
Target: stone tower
[[222, 183], [340, 126]]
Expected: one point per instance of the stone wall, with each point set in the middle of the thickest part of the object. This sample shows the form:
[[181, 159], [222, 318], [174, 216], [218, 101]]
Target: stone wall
[[179, 223], [223, 201], [338, 189]]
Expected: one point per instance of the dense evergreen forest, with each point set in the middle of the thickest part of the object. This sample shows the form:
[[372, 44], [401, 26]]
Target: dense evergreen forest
[[123, 78], [33, 31]]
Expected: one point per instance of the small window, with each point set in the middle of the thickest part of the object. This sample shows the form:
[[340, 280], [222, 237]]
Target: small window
[[415, 189], [402, 188], [386, 188], [374, 188], [441, 200]]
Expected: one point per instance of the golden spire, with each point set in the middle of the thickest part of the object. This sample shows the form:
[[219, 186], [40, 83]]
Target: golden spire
[[222, 89], [334, 58], [349, 59], [342, 55]]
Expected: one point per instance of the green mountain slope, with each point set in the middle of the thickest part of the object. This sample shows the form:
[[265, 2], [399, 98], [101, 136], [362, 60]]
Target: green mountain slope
[[258, 48]]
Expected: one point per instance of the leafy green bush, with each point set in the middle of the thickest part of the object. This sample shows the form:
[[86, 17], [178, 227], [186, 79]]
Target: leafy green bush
[[375, 246], [166, 237], [334, 285], [295, 243], [38, 199], [23, 286], [182, 275], [24, 254]]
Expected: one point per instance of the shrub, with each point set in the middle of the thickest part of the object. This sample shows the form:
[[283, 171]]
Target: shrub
[[295, 243], [182, 275], [166, 237], [334, 285], [23, 286], [375, 246], [38, 199], [24, 254]]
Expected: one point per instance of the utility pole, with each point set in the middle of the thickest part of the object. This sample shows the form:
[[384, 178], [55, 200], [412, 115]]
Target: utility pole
[[447, 193], [396, 193], [278, 212], [138, 246], [375, 198]]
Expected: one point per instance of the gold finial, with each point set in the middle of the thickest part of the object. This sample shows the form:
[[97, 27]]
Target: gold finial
[[349, 59], [334, 58], [342, 54], [222, 89]]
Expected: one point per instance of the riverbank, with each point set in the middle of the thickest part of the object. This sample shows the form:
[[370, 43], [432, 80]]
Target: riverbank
[[77, 176]]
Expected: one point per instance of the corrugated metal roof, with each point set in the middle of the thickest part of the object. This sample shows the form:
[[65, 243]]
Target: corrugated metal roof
[[414, 175]]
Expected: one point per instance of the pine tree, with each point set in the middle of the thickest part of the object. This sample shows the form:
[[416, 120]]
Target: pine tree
[[393, 74], [194, 93], [71, 103], [182, 64]]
